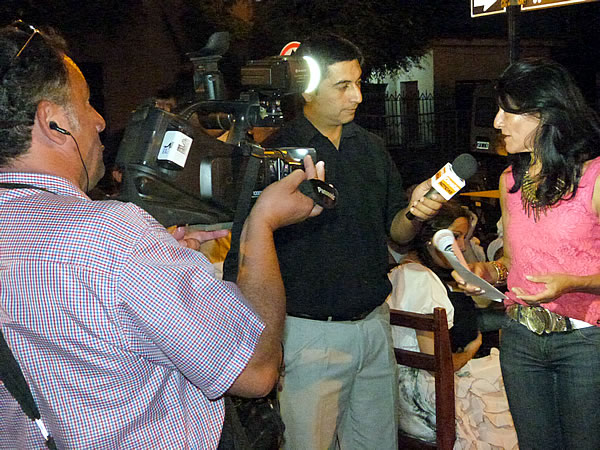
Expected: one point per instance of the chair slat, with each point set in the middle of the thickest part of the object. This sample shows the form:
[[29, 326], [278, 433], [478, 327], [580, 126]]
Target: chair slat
[[440, 364]]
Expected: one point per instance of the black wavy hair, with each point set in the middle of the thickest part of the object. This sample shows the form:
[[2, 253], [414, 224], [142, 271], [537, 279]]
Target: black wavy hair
[[39, 73], [328, 49], [569, 131]]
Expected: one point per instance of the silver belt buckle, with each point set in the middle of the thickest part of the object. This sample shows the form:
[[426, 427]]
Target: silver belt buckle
[[538, 319], [560, 322], [535, 319]]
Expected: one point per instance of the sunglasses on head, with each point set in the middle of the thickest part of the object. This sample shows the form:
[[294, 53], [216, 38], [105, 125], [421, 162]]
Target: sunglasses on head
[[22, 26]]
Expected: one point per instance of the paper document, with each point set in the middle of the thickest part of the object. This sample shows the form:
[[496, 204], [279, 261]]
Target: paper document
[[445, 243]]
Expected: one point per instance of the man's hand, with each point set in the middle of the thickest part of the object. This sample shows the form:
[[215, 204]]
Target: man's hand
[[281, 203], [193, 239], [425, 208], [403, 229]]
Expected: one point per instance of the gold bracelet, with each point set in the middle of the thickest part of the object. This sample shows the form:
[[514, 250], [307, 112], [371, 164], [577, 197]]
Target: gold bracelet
[[501, 272]]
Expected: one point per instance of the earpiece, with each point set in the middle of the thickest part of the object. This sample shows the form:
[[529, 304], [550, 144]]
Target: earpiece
[[54, 126]]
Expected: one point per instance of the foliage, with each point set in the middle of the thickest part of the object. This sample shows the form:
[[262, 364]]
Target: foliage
[[392, 34]]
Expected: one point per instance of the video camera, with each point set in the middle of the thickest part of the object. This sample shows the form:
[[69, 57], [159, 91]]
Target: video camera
[[178, 173]]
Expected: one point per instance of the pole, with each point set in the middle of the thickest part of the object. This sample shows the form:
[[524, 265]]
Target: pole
[[513, 11]]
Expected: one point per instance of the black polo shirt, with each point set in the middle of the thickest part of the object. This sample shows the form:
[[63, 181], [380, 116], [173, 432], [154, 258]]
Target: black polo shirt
[[336, 264]]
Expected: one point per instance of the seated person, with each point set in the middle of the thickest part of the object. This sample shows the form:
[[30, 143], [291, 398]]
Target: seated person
[[473, 250], [495, 248], [483, 420]]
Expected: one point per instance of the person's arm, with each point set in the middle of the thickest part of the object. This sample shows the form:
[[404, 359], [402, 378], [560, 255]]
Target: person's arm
[[459, 359], [403, 230], [259, 278]]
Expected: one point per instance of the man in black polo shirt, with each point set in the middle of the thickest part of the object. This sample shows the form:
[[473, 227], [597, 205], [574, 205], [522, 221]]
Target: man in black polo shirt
[[339, 385]]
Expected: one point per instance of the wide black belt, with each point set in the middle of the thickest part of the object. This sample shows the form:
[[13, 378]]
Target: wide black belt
[[325, 318]]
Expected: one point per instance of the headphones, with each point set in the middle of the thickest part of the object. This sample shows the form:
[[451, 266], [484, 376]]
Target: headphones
[[54, 126]]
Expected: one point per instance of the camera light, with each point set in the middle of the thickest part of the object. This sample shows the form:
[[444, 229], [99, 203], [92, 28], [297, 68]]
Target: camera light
[[315, 74]]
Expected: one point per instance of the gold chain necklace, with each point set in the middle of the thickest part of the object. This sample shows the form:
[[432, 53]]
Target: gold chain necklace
[[529, 200]]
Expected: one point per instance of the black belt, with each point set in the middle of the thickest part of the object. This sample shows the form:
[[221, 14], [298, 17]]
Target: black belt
[[325, 318]]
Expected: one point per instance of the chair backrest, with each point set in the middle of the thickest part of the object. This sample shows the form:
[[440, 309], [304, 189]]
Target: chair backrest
[[440, 364]]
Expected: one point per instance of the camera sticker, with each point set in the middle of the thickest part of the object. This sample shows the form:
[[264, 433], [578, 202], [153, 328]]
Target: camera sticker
[[175, 148]]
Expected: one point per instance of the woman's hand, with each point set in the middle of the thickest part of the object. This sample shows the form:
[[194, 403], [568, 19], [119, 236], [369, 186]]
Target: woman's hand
[[482, 270], [556, 284]]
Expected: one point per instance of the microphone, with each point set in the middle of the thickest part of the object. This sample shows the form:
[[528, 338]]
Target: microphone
[[444, 241], [451, 178]]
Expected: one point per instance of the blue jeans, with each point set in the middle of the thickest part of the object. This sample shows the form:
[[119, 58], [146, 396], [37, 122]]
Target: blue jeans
[[553, 386]]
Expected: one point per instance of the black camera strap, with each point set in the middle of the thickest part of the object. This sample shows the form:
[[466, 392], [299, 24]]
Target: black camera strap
[[10, 371], [14, 381], [24, 186], [230, 265]]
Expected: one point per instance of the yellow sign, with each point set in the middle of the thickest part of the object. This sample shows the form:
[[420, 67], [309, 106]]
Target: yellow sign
[[530, 5], [487, 7]]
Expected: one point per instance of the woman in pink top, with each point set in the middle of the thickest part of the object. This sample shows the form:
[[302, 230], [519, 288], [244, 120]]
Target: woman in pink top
[[550, 200]]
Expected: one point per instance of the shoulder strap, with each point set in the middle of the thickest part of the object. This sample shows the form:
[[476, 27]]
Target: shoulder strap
[[24, 186], [14, 381], [230, 265]]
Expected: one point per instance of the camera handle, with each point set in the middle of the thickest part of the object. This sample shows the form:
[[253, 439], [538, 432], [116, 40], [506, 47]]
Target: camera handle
[[242, 114]]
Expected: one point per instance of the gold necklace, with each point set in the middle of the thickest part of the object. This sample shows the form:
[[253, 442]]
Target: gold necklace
[[529, 200]]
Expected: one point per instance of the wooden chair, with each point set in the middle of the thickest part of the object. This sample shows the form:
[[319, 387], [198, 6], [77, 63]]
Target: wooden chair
[[440, 364]]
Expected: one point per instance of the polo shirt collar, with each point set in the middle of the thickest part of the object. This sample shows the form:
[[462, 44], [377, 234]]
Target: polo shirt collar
[[306, 131], [57, 185]]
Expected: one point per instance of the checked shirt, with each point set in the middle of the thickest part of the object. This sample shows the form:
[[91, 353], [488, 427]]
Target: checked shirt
[[126, 339]]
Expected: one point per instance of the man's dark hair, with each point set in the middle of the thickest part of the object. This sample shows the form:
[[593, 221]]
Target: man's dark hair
[[328, 49], [39, 73]]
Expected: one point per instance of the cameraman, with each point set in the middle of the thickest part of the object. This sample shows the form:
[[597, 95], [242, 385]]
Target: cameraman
[[339, 385], [125, 337]]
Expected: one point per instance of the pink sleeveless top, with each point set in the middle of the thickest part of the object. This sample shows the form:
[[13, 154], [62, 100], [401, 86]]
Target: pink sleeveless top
[[565, 240]]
